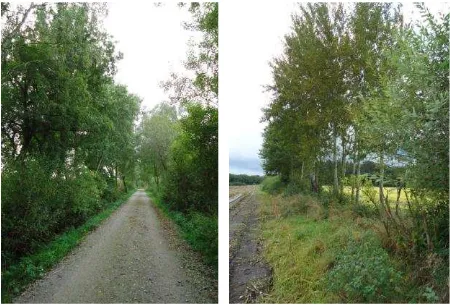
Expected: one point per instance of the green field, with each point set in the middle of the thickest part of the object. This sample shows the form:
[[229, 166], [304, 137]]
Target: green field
[[390, 192]]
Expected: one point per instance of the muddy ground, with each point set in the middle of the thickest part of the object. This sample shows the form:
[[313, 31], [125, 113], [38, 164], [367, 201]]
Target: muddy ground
[[250, 276]]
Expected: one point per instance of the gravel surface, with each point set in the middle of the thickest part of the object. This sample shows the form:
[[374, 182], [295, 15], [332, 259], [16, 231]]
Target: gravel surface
[[250, 276], [133, 257]]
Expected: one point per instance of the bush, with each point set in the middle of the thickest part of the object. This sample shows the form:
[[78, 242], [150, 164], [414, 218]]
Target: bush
[[41, 200], [201, 231], [272, 184], [364, 210], [363, 273]]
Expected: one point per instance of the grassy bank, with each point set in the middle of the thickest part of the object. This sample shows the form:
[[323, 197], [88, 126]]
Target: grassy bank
[[198, 229], [323, 254], [32, 267]]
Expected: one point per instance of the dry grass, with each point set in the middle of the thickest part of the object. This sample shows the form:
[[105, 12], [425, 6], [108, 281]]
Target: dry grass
[[236, 190]]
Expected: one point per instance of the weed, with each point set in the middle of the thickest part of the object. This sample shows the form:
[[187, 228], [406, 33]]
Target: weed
[[363, 272]]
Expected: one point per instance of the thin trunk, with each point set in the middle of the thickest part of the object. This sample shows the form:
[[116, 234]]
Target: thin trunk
[[99, 162], [397, 203], [156, 174], [353, 181], [124, 184], [358, 181], [335, 176], [316, 179], [116, 175], [291, 178], [343, 166], [381, 185], [427, 235]]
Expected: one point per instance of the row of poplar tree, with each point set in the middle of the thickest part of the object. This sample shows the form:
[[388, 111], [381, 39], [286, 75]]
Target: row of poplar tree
[[358, 82]]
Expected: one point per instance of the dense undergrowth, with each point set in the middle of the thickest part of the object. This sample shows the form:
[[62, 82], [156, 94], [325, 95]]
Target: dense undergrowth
[[323, 250], [199, 229], [28, 268]]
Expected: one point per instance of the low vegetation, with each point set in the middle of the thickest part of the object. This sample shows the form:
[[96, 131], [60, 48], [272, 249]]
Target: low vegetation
[[31, 267], [200, 230], [323, 251]]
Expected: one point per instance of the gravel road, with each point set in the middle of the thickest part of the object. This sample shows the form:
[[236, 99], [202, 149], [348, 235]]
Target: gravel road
[[133, 257]]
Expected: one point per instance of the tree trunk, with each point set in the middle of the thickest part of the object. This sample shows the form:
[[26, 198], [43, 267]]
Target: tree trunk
[[343, 165], [358, 180], [124, 184], [116, 176], [353, 181], [382, 202], [156, 173], [335, 176]]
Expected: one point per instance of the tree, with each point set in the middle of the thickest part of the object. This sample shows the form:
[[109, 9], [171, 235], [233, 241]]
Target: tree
[[159, 128], [202, 60]]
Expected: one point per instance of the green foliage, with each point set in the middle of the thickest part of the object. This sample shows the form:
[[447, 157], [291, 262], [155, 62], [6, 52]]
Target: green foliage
[[199, 229], [67, 129], [192, 179], [29, 268], [357, 92], [179, 151], [363, 273], [202, 232], [272, 184]]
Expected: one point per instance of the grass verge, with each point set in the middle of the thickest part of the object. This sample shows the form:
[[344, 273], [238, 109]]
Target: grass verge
[[32, 267], [198, 229], [331, 255]]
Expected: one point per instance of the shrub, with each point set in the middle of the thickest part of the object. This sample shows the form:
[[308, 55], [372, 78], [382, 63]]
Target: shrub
[[363, 210], [272, 184], [201, 231], [363, 273], [298, 186]]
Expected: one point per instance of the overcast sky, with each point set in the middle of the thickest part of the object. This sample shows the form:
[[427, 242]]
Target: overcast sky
[[153, 42], [257, 36], [247, 44]]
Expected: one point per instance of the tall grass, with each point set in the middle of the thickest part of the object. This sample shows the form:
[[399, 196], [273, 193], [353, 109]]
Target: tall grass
[[332, 254]]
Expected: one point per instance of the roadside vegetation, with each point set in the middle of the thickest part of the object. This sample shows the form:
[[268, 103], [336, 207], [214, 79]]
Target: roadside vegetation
[[68, 142], [178, 142], [358, 88], [32, 267]]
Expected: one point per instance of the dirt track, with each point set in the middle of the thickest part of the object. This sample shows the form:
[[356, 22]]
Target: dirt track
[[250, 276], [133, 257]]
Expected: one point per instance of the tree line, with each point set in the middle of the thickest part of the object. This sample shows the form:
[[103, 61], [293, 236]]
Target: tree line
[[178, 140], [356, 83], [244, 179], [68, 143]]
